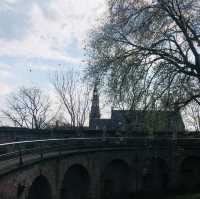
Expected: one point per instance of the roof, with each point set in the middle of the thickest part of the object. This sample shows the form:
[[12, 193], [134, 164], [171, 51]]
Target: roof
[[139, 120]]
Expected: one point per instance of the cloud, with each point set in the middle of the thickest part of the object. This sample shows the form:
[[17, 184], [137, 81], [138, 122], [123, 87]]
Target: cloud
[[34, 47], [10, 27], [5, 89], [10, 1], [47, 29], [5, 71]]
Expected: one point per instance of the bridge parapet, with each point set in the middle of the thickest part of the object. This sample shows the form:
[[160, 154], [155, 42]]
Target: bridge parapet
[[20, 150]]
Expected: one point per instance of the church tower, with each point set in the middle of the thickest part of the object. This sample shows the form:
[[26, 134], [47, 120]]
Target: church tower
[[94, 112]]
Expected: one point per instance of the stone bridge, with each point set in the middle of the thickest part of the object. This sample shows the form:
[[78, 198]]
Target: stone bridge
[[98, 168]]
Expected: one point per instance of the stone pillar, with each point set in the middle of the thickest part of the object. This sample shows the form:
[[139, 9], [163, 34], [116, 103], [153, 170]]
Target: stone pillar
[[173, 169], [95, 177]]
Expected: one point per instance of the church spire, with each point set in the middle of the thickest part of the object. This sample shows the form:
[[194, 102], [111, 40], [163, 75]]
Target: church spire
[[94, 112]]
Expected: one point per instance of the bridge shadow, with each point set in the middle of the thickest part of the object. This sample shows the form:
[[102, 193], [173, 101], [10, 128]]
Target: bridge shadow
[[40, 189], [115, 180], [76, 183], [155, 176], [189, 179]]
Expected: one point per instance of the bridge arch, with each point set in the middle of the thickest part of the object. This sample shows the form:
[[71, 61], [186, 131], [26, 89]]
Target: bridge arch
[[155, 175], [76, 183], [115, 180], [40, 188], [189, 174]]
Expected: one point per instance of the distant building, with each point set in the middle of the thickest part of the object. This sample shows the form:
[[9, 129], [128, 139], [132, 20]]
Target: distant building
[[137, 120], [95, 111]]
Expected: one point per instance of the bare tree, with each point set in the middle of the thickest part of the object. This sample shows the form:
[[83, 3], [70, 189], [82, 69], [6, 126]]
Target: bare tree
[[74, 96], [28, 107], [149, 49], [59, 122], [191, 115]]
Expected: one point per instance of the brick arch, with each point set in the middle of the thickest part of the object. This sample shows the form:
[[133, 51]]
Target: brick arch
[[113, 156], [155, 175], [40, 188], [76, 183], [115, 179], [189, 174]]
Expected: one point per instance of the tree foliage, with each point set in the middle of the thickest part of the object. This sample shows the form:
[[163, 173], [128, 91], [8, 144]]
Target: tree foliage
[[148, 52]]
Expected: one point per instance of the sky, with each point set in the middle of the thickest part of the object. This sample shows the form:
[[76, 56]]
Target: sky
[[38, 37]]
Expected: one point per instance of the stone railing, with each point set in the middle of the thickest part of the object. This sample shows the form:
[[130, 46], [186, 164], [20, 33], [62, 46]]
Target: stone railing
[[21, 149], [22, 152], [13, 134]]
